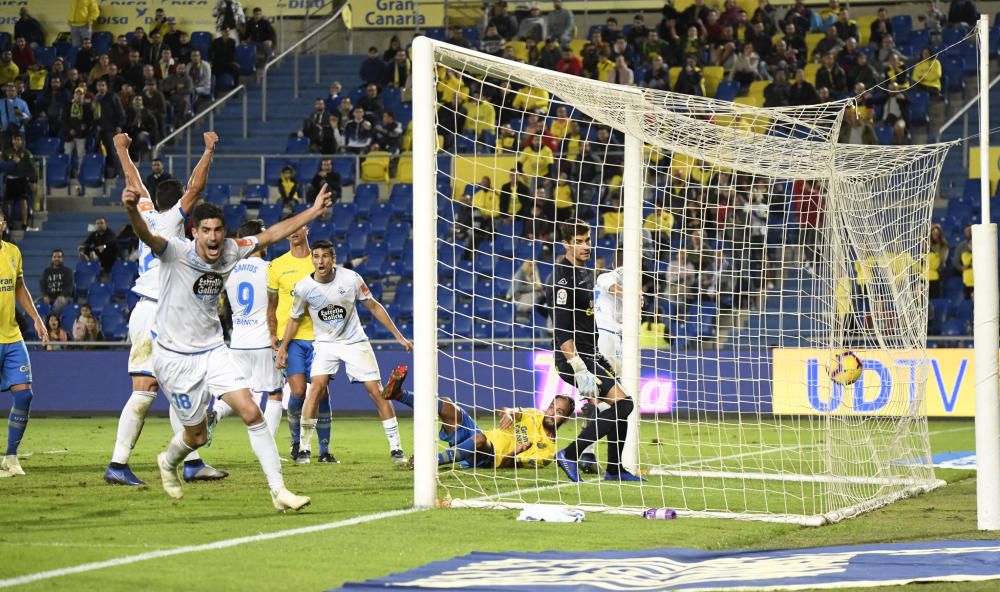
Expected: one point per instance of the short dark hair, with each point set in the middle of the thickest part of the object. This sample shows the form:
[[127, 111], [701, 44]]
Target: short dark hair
[[324, 244], [572, 228], [54, 251], [206, 211], [250, 228], [570, 401], [168, 193]]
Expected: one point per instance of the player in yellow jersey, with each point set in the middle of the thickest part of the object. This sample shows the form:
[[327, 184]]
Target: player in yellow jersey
[[525, 437], [282, 275], [15, 367]]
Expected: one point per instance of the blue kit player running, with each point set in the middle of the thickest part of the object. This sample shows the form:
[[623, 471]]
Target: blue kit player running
[[15, 367]]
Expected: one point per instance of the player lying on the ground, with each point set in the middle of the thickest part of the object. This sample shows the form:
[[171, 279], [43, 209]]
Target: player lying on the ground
[[190, 358], [525, 438]]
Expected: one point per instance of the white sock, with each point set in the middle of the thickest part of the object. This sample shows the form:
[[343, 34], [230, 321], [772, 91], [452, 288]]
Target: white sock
[[130, 424], [177, 450], [602, 406], [222, 409], [262, 443], [308, 426], [178, 427], [272, 415], [391, 427]]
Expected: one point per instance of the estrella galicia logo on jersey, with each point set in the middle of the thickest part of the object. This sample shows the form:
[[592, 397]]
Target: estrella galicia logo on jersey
[[332, 312], [208, 285]]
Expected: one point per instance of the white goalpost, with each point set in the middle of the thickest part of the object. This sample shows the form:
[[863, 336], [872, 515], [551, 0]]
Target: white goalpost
[[753, 249]]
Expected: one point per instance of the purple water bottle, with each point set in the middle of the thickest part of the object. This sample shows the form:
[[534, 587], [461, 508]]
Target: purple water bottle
[[659, 514]]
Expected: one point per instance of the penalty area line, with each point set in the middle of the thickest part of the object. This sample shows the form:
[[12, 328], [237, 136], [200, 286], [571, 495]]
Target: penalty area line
[[224, 544]]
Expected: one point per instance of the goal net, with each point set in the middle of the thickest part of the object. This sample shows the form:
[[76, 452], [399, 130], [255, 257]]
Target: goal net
[[752, 250]]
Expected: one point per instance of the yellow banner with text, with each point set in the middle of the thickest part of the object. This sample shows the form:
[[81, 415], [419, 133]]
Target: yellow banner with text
[[888, 385], [396, 14]]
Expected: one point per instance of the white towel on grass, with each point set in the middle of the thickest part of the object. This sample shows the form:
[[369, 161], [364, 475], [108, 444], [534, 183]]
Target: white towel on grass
[[543, 513]]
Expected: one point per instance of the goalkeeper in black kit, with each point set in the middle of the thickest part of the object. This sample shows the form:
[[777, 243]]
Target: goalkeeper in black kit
[[577, 360]]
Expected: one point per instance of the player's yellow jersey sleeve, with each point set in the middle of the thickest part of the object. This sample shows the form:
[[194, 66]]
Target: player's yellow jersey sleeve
[[530, 429], [282, 275], [10, 271]]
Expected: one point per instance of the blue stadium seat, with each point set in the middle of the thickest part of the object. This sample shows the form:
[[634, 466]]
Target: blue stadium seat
[[953, 77], [246, 57], [902, 25], [6, 40], [345, 168], [270, 214], [99, 296], [969, 54], [403, 304], [391, 98], [57, 171], [397, 238], [306, 169], [357, 240], [255, 192], [378, 256], [45, 56], [218, 194], [101, 41], [365, 197], [953, 327], [234, 215], [63, 49], [84, 275], [48, 147], [272, 169], [954, 34], [954, 290], [123, 274], [200, 40], [445, 298], [297, 145], [379, 222], [727, 90], [277, 250], [68, 316], [92, 170], [320, 230], [35, 132], [941, 309], [113, 324], [884, 134]]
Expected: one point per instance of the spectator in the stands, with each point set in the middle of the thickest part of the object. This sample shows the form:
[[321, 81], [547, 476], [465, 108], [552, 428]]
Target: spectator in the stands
[[313, 122], [372, 103], [372, 69], [457, 38], [621, 48], [491, 43], [831, 43], [689, 81], [141, 126], [778, 93], [114, 79], [388, 133], [559, 22], [177, 88], [857, 129], [932, 17], [569, 63], [201, 77], [20, 179], [695, 15], [604, 64], [894, 103], [325, 175], [109, 119], [451, 119], [99, 70], [29, 28], [658, 75], [963, 12], [57, 333], [77, 121], [831, 76], [397, 72], [159, 22], [331, 139], [394, 45], [864, 73], [260, 32], [826, 17], [358, 132], [937, 258], [533, 27], [504, 22], [927, 73], [880, 28], [799, 15], [119, 53], [289, 189], [58, 70], [846, 27], [480, 115], [525, 289], [962, 259], [155, 103], [797, 42], [8, 69], [56, 284], [550, 55], [621, 73], [148, 77], [172, 36], [747, 66], [14, 114], [847, 57], [139, 42], [133, 73], [51, 103], [152, 51], [345, 109], [165, 66], [655, 45], [100, 245], [222, 53], [693, 46], [638, 33], [92, 330], [86, 57], [80, 324], [333, 98], [896, 71], [23, 54], [157, 176], [82, 14], [182, 55], [229, 18]]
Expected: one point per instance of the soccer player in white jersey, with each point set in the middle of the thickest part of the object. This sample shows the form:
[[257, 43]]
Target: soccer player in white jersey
[[166, 217], [246, 290], [190, 358], [330, 295]]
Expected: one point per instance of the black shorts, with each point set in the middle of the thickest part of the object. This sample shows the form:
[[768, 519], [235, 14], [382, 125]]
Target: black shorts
[[596, 364]]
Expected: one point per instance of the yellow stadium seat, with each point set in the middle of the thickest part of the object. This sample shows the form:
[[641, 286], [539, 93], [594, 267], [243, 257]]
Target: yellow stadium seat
[[812, 39], [577, 45], [682, 5], [375, 167], [776, 38], [674, 73], [613, 222], [404, 169], [520, 49], [865, 28], [651, 336], [750, 100], [748, 5], [757, 88], [712, 76], [811, 70]]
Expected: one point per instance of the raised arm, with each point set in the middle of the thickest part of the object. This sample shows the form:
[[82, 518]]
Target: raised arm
[[378, 311], [283, 229], [155, 242], [132, 179], [199, 176]]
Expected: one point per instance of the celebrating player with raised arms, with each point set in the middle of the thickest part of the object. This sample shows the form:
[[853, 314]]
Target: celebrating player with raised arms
[[577, 359], [246, 290], [329, 296], [166, 218], [525, 437], [190, 358]]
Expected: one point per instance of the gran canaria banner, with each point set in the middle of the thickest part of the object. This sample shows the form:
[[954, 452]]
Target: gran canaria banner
[[888, 384], [396, 14], [123, 16]]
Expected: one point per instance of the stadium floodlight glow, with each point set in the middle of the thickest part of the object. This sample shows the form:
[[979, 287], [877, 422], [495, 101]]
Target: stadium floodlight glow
[[745, 234]]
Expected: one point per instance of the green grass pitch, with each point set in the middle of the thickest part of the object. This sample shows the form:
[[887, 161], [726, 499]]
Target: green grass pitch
[[62, 514]]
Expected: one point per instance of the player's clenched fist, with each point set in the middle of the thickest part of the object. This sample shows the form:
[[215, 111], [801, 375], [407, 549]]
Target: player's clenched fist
[[281, 358], [129, 197], [211, 139], [122, 141]]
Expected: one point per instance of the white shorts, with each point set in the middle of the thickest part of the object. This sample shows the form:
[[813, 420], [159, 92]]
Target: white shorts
[[258, 366], [190, 380], [358, 358], [140, 333], [609, 345]]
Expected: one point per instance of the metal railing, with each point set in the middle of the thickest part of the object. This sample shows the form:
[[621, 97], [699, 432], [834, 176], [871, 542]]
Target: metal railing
[[321, 28], [208, 112], [963, 114], [261, 160]]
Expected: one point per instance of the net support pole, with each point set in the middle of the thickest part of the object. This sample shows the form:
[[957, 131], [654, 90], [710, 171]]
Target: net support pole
[[424, 275], [632, 190], [986, 317]]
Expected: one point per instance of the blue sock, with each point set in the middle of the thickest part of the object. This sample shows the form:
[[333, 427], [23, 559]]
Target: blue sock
[[464, 450], [17, 421], [406, 398], [324, 418], [295, 417]]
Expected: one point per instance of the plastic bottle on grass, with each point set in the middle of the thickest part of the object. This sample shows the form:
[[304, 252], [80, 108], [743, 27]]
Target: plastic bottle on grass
[[659, 514]]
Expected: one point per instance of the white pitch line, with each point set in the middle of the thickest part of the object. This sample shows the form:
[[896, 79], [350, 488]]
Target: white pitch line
[[224, 544], [88, 545]]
